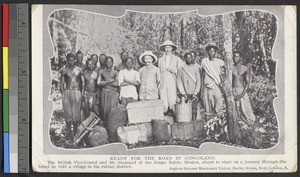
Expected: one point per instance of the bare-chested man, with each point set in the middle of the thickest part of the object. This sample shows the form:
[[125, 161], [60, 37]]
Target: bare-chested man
[[72, 87], [240, 85], [108, 80], [102, 67], [90, 94]]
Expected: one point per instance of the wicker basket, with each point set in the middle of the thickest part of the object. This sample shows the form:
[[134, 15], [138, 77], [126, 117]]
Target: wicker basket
[[145, 111], [183, 112]]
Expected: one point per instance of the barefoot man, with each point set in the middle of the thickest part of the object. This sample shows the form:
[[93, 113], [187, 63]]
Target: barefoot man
[[108, 81], [188, 82], [240, 85], [90, 94], [72, 87], [212, 97]]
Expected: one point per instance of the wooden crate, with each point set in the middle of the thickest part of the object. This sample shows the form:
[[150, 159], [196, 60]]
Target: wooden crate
[[145, 111], [184, 131]]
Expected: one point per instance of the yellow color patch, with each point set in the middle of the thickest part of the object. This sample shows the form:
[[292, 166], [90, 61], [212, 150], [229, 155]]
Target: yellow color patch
[[5, 67]]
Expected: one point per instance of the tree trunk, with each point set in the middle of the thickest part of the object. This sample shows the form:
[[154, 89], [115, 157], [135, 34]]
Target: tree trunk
[[233, 131]]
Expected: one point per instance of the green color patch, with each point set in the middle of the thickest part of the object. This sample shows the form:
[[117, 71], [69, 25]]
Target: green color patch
[[5, 110]]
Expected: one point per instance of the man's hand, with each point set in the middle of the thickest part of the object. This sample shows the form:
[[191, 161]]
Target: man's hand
[[127, 81], [195, 97], [185, 98], [83, 103], [238, 97], [89, 129]]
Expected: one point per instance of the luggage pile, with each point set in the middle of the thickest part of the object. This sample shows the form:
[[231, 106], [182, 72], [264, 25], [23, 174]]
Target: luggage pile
[[146, 121], [185, 128], [141, 121], [141, 117]]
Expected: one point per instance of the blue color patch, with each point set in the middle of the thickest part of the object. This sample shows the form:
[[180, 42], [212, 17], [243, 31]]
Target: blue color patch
[[6, 152]]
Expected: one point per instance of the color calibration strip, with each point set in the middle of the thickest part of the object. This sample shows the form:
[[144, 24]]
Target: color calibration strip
[[13, 87], [16, 87], [6, 155]]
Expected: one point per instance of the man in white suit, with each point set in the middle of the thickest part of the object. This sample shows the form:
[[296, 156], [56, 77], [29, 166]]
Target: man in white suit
[[169, 65]]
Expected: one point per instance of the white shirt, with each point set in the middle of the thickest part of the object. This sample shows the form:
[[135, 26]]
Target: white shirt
[[128, 90], [168, 57]]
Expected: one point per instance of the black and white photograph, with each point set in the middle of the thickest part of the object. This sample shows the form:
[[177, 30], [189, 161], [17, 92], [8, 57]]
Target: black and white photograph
[[149, 79], [161, 80]]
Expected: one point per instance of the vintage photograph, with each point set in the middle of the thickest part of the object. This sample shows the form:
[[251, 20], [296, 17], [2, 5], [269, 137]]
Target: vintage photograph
[[156, 79], [163, 89]]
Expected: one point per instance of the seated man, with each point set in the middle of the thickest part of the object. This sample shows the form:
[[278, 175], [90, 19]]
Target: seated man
[[149, 76], [128, 79], [188, 82]]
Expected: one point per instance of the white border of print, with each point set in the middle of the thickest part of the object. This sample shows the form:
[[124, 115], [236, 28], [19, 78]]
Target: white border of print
[[190, 11]]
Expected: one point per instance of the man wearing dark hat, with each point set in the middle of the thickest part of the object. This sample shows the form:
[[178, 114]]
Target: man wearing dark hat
[[149, 76], [240, 85], [212, 97], [169, 65], [72, 88]]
